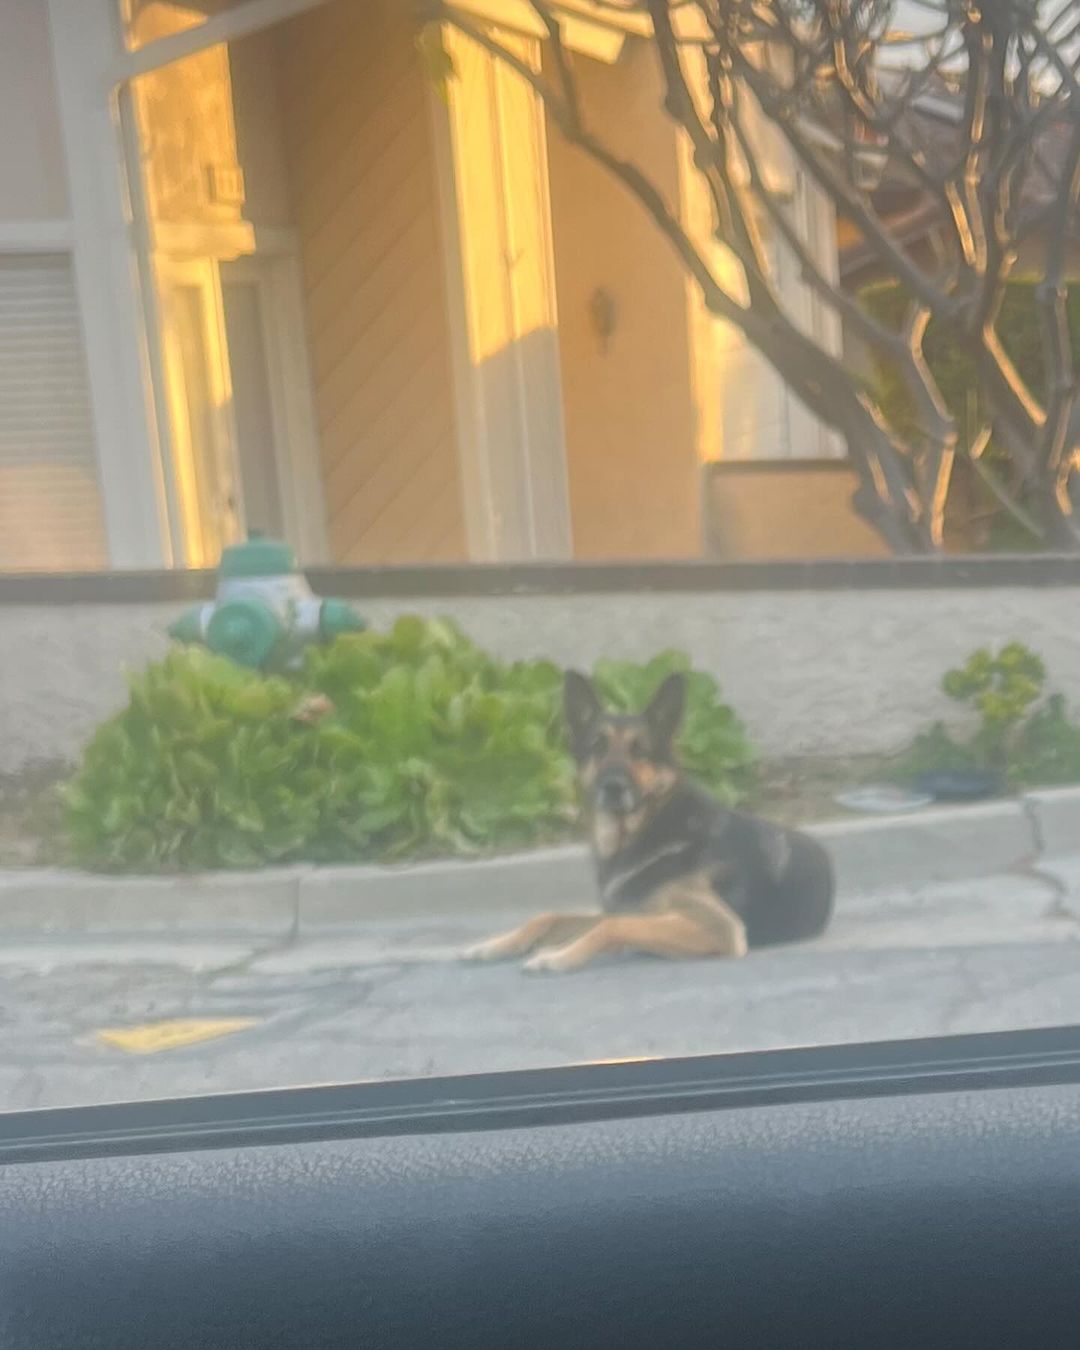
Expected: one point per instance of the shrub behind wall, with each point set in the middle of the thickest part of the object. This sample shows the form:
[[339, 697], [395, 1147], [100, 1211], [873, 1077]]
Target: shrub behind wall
[[406, 744]]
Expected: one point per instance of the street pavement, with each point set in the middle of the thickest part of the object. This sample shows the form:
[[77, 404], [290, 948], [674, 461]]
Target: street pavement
[[84, 1022]]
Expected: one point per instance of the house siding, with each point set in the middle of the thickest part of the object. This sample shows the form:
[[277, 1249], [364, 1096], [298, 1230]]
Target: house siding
[[359, 149], [629, 408], [33, 177]]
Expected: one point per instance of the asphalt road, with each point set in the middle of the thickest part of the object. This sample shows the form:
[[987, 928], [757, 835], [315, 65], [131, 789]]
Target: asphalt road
[[389, 1001]]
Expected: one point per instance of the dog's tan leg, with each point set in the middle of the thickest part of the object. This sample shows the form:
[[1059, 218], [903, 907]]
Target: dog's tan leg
[[553, 929], [673, 935]]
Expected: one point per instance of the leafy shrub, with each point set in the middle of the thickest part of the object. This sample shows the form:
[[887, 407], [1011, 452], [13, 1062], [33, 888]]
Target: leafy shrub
[[205, 767], [409, 743], [435, 746], [1020, 736], [932, 752], [1017, 326], [1047, 752], [1019, 330]]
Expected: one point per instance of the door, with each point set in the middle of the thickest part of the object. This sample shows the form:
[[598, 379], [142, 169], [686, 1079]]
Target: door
[[198, 381], [500, 274], [257, 412]]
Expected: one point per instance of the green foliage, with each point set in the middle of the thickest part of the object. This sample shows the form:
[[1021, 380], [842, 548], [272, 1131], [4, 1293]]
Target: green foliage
[[436, 747], [1020, 735], [935, 751], [1018, 329], [1047, 750], [205, 767], [1002, 690], [409, 743]]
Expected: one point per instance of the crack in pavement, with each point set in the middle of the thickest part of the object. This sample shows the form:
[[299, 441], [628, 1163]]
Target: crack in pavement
[[1033, 868]]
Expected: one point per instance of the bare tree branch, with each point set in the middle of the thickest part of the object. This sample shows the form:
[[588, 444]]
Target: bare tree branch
[[1051, 297], [957, 122]]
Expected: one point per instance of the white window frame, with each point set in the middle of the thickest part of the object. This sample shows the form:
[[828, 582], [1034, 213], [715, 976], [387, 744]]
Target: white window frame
[[207, 531], [274, 270], [270, 257], [36, 236], [131, 456]]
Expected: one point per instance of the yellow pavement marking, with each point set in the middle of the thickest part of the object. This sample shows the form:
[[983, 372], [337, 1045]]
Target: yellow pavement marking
[[151, 1037]]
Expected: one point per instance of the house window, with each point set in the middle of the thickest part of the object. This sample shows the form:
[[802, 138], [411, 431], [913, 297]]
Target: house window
[[745, 410], [257, 428], [763, 418], [50, 504]]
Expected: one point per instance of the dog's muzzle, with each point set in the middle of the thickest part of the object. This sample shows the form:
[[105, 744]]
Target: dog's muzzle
[[616, 792]]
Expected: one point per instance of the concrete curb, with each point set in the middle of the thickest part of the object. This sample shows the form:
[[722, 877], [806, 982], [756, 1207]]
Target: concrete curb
[[335, 897], [277, 904], [54, 902], [938, 844]]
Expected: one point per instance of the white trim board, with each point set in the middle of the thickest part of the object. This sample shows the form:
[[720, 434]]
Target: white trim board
[[225, 242], [36, 236], [129, 451], [499, 269], [588, 28], [279, 284], [229, 26]]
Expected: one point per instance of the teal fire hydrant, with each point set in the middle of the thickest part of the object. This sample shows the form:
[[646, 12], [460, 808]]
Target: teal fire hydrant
[[264, 612]]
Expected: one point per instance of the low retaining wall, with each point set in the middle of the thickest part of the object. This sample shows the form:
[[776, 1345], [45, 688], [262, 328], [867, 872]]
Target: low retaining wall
[[818, 658]]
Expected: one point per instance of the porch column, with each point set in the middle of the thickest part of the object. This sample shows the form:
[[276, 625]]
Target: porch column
[[86, 43], [501, 288]]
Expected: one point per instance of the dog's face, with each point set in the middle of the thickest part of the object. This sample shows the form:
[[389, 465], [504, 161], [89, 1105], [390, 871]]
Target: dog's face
[[626, 764]]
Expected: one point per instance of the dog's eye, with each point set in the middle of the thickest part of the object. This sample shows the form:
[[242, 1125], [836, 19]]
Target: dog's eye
[[638, 748], [600, 744]]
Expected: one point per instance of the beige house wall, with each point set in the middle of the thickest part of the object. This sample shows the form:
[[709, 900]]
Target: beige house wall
[[787, 509], [630, 436], [33, 178], [358, 144], [260, 136]]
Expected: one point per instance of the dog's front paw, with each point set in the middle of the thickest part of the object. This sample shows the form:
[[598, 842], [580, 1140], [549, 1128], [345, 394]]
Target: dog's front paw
[[550, 962]]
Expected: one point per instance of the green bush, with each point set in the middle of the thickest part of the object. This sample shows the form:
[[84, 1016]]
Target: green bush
[[1022, 736], [205, 767], [1018, 329], [409, 743]]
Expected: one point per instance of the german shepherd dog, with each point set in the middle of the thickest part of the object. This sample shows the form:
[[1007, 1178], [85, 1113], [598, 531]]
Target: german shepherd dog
[[679, 874]]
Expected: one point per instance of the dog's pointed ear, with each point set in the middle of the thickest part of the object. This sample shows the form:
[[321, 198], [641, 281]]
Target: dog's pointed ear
[[664, 714], [582, 710]]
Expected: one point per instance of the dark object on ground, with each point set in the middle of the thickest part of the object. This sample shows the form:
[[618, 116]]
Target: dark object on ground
[[959, 785]]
